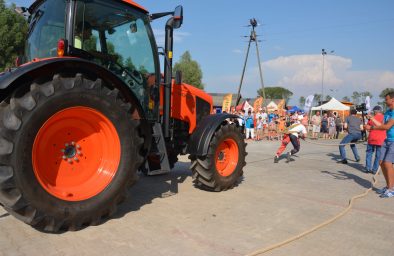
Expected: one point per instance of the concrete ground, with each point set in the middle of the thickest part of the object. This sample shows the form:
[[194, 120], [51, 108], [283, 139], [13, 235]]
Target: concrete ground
[[166, 215]]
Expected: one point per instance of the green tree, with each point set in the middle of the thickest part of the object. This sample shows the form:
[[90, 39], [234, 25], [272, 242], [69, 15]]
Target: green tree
[[328, 97], [356, 98], [276, 93], [365, 94], [317, 98], [302, 101], [346, 98], [191, 71], [382, 95], [13, 31]]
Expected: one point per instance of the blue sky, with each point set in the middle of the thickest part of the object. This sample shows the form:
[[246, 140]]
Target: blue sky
[[293, 33]]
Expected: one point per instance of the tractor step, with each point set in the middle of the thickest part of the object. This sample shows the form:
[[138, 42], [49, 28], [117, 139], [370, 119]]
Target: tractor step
[[159, 149]]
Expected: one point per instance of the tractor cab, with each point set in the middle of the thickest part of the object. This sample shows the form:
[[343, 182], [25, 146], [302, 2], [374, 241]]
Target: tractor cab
[[114, 34]]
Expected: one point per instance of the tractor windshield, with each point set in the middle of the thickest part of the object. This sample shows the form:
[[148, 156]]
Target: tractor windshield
[[119, 32], [120, 38], [46, 27]]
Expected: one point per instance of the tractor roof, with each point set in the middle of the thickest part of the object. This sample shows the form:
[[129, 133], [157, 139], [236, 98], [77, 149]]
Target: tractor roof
[[129, 2]]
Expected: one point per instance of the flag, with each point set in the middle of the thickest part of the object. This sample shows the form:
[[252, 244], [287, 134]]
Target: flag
[[258, 103], [308, 103], [227, 103], [281, 106], [368, 104], [247, 106]]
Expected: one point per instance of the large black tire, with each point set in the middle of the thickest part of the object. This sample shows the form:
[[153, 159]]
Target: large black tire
[[204, 169], [21, 119]]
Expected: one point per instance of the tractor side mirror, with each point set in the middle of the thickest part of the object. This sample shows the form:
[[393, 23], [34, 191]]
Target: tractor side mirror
[[22, 11], [178, 77], [178, 16]]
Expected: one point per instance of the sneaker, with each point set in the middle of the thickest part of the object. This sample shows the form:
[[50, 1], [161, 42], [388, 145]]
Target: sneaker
[[344, 161], [381, 190], [276, 159], [387, 194], [358, 160], [288, 157]]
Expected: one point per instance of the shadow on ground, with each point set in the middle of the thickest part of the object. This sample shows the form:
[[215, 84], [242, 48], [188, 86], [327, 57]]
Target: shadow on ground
[[148, 188]]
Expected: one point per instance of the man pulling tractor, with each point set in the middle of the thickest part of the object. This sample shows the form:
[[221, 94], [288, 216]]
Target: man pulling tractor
[[86, 107]]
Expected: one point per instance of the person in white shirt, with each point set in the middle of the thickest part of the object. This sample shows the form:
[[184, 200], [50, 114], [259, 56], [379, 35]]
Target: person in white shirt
[[292, 134]]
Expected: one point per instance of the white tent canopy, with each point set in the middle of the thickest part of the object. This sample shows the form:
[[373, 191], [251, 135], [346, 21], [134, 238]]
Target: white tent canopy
[[333, 104]]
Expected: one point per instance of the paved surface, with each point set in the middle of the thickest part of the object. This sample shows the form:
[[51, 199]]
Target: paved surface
[[166, 215]]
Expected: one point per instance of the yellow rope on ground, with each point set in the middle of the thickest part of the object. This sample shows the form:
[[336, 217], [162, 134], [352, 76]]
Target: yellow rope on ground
[[329, 221], [330, 145]]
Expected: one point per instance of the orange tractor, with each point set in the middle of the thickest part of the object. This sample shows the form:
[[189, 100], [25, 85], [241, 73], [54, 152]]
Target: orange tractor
[[87, 107]]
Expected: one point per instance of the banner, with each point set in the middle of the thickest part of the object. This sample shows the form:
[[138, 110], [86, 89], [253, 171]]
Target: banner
[[258, 103], [308, 103], [227, 103], [368, 104]]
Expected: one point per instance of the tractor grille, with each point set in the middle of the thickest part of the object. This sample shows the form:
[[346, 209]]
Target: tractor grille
[[203, 108]]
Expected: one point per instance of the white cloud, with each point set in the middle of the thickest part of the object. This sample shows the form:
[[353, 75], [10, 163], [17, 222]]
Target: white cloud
[[237, 51], [302, 74], [160, 36], [306, 70]]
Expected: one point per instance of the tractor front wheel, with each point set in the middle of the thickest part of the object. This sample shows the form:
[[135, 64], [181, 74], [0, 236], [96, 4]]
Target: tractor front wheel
[[221, 168], [69, 149]]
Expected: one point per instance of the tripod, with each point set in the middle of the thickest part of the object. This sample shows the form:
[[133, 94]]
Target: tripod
[[252, 38]]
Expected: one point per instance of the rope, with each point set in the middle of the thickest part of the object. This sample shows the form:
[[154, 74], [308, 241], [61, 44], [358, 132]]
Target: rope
[[323, 224], [329, 145]]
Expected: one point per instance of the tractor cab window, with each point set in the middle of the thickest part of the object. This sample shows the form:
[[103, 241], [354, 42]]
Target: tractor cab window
[[46, 27], [119, 38]]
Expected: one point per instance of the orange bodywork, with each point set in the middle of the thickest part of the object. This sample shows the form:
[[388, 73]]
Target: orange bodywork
[[183, 103], [135, 4]]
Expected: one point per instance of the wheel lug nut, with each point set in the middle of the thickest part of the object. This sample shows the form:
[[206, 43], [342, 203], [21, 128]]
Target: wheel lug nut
[[76, 159], [79, 153], [73, 143], [78, 146], [63, 150], [64, 157], [66, 144], [70, 161]]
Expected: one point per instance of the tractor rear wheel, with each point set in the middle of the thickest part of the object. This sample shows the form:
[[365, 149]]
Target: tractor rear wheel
[[69, 149], [221, 168]]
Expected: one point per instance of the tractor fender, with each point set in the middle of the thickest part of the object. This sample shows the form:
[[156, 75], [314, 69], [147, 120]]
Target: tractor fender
[[24, 75], [202, 135]]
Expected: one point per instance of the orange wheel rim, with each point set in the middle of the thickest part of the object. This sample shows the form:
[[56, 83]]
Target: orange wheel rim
[[76, 153], [226, 157]]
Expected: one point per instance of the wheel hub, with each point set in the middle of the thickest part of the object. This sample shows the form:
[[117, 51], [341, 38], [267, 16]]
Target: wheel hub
[[221, 156], [71, 152]]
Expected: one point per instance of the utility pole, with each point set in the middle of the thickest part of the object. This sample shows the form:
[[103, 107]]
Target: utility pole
[[252, 38], [323, 53]]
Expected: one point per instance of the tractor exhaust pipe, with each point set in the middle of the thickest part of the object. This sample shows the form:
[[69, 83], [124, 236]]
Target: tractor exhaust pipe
[[173, 23]]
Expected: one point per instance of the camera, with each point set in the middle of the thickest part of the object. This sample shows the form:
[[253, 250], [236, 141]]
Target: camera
[[362, 107]]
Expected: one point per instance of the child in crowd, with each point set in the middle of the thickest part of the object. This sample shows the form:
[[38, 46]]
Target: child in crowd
[[259, 131]]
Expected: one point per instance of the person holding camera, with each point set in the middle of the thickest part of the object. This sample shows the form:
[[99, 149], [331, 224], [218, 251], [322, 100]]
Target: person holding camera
[[375, 141], [387, 153], [353, 125]]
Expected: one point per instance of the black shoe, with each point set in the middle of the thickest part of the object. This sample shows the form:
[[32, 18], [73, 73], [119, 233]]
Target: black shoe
[[358, 160], [276, 159], [344, 161], [288, 157]]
